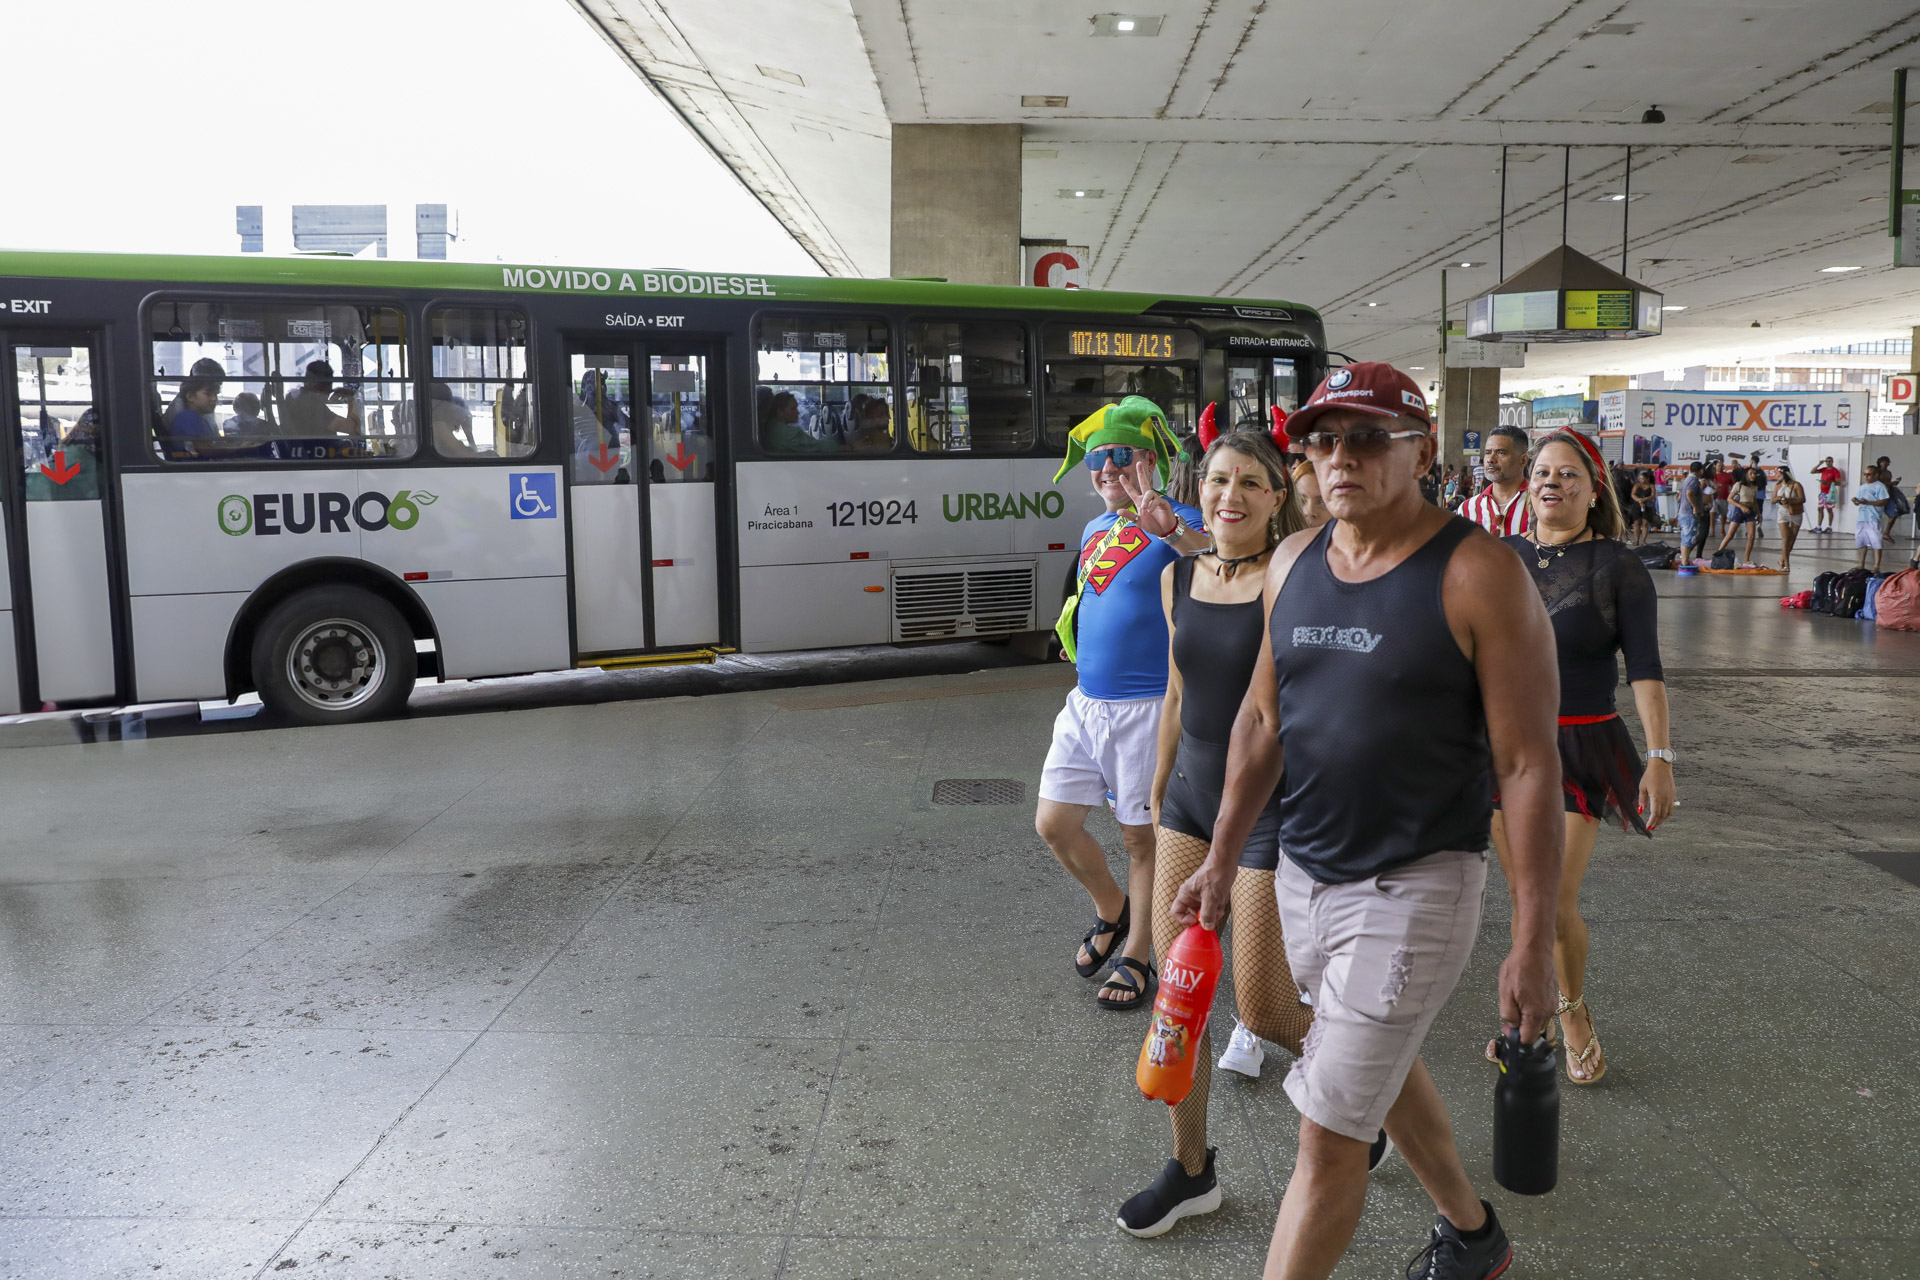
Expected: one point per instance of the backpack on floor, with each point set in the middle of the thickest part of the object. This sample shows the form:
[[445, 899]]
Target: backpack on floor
[[1873, 589], [1897, 606], [1656, 555], [1823, 593], [1850, 593], [1723, 560], [1798, 600]]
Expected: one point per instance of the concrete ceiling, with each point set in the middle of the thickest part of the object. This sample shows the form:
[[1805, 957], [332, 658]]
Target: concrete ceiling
[[1340, 152]]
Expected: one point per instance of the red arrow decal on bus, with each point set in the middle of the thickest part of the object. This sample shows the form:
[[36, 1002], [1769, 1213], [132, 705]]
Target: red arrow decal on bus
[[60, 472], [603, 460], [680, 458]]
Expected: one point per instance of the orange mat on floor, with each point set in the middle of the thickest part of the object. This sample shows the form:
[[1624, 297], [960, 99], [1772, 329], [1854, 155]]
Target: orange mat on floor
[[1747, 573]]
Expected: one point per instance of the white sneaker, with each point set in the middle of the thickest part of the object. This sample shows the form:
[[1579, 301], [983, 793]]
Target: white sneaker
[[1243, 1053]]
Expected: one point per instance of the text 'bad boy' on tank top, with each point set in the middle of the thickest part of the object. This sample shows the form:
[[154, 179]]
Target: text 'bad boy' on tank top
[[1382, 730], [1215, 647]]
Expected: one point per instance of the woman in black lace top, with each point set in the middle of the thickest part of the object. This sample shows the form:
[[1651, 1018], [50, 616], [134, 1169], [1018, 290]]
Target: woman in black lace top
[[1601, 600]]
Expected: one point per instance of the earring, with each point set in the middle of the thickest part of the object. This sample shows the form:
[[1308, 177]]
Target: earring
[[1593, 502]]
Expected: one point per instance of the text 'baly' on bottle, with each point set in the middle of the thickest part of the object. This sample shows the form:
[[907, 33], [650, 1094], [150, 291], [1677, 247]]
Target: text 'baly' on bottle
[[1188, 977]]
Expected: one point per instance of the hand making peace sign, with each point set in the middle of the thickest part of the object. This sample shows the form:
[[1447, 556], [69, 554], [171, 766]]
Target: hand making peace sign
[[1155, 512]]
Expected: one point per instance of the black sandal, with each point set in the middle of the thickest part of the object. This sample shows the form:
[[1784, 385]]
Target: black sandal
[[1121, 980], [1118, 929]]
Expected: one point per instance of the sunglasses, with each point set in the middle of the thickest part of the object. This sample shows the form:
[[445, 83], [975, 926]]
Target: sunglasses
[[1361, 442], [1121, 454]]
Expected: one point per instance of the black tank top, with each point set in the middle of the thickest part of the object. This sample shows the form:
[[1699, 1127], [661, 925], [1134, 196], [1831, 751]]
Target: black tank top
[[1215, 647], [1381, 725]]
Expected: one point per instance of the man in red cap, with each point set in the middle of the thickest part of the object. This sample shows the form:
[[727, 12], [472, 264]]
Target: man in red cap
[[1408, 673]]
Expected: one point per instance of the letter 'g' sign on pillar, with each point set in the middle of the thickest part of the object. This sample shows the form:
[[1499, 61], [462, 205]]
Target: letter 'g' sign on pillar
[[1900, 388]]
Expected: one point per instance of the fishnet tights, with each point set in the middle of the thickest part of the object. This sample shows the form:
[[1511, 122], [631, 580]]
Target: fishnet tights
[[1263, 989]]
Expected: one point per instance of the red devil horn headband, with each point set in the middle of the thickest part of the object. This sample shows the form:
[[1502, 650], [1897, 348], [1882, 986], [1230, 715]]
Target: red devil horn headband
[[1209, 428]]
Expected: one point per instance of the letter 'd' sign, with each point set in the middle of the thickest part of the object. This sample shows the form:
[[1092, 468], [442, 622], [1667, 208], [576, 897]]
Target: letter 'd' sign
[[1900, 388]]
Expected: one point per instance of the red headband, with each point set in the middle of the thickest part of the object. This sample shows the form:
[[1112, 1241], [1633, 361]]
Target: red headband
[[1580, 442], [1209, 431]]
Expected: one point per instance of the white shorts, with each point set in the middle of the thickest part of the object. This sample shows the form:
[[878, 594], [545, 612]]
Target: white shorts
[[1380, 957], [1866, 533], [1101, 746]]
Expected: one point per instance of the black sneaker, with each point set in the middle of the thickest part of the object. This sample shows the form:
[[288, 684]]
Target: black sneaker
[[1449, 1257], [1174, 1195], [1377, 1153]]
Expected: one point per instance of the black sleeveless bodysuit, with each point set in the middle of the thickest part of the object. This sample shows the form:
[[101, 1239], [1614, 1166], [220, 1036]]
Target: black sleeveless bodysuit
[[1381, 725], [1214, 648]]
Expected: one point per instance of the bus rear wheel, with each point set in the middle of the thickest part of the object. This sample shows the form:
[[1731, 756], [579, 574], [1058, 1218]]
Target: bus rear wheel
[[334, 655]]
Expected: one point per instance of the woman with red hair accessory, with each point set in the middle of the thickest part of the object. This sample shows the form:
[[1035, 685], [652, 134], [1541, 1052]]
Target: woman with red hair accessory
[[1601, 601]]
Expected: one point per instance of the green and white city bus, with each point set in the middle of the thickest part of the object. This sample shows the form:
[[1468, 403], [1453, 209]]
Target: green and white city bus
[[319, 478]]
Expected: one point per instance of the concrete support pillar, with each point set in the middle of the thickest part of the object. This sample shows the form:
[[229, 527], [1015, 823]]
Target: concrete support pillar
[[1469, 401], [956, 202], [1598, 384]]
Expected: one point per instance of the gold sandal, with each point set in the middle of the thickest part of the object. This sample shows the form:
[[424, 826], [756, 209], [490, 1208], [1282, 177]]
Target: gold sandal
[[1593, 1049]]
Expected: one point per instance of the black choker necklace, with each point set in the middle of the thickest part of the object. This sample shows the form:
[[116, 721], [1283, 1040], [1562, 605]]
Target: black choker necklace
[[1227, 566]]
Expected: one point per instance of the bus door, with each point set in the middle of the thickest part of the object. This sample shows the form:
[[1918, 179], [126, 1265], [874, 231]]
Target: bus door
[[56, 632], [1255, 384], [646, 570]]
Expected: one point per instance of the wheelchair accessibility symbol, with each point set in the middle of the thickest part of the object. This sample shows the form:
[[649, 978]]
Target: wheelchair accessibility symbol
[[531, 495]]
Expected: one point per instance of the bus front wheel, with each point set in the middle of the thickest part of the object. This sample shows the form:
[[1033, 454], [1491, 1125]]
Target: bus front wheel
[[334, 655]]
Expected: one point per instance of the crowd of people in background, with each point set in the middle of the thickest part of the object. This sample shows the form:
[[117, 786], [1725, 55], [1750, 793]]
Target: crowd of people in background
[[1725, 497]]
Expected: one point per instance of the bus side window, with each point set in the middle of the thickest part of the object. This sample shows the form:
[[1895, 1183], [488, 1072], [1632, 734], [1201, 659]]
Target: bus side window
[[823, 385], [286, 381], [480, 395], [969, 387]]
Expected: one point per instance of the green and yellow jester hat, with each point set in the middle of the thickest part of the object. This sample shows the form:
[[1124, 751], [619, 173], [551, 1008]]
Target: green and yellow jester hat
[[1136, 422]]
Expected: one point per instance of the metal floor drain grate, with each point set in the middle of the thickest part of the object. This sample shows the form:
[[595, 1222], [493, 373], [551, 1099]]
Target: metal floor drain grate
[[979, 791]]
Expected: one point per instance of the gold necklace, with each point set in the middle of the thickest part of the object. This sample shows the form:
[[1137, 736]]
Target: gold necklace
[[1559, 548]]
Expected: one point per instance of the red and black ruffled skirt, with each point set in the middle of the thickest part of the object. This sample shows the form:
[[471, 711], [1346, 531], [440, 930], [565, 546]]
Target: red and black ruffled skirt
[[1600, 771]]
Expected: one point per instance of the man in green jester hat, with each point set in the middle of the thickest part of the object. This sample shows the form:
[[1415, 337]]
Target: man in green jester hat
[[1105, 739]]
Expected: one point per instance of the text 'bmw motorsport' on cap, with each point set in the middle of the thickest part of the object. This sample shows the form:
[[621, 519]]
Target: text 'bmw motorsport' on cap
[[1372, 386]]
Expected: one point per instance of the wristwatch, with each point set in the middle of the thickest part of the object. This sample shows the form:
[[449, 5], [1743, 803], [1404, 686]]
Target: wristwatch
[[1661, 753]]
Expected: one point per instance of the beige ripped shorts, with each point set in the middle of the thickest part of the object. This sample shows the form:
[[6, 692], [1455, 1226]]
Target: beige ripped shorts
[[1379, 958]]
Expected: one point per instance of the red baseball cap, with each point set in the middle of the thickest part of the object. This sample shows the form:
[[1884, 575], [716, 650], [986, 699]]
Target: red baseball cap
[[1372, 386]]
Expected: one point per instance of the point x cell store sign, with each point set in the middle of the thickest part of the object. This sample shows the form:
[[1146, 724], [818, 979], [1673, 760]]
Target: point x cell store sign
[[1685, 426]]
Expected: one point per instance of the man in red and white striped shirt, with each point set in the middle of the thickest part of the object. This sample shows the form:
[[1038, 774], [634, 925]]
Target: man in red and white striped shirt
[[1501, 507]]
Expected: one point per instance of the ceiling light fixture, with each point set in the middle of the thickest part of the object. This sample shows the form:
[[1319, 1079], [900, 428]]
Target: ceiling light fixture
[[1828, 271], [1678, 308], [1081, 193], [1373, 304], [1127, 24]]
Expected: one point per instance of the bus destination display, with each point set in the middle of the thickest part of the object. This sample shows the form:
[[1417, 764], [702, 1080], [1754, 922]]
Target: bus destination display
[[1127, 344]]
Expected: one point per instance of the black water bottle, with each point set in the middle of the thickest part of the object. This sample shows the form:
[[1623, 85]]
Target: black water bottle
[[1526, 1116]]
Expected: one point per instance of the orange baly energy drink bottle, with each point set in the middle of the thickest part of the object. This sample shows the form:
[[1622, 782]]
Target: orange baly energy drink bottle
[[1188, 977]]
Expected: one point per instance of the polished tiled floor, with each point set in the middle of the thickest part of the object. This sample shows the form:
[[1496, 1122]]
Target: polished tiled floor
[[705, 986]]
